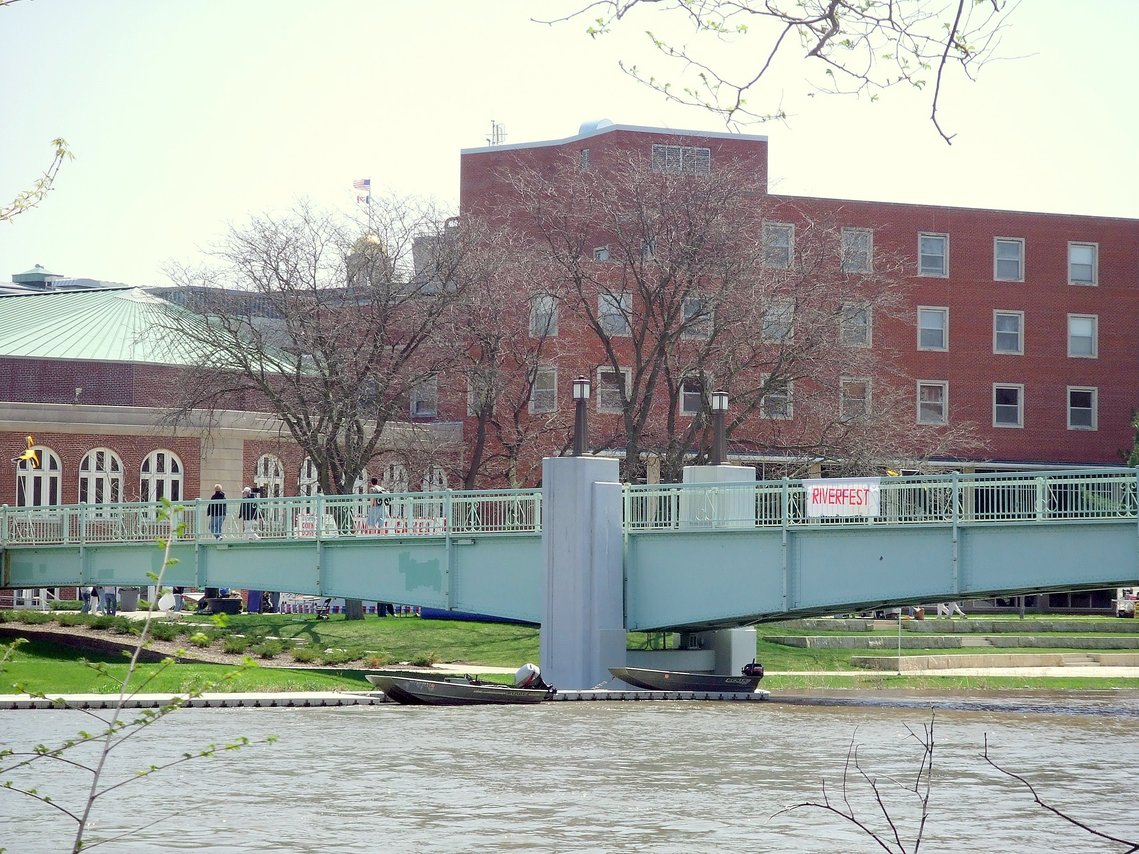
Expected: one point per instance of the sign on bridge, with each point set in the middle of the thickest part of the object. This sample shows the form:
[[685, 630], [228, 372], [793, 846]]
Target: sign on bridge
[[842, 496]]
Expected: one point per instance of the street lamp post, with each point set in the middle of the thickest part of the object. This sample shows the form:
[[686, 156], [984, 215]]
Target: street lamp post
[[719, 410], [581, 424]]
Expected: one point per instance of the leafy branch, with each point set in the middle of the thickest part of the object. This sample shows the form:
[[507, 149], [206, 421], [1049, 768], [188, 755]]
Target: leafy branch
[[28, 199]]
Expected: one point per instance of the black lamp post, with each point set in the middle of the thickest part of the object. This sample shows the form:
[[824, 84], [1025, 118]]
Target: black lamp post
[[581, 425], [719, 410]]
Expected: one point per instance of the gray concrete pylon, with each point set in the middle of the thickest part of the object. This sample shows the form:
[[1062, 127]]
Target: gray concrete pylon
[[583, 619]]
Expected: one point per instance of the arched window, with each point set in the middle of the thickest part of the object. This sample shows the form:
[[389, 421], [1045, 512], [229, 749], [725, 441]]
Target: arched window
[[38, 486], [434, 479], [160, 476], [308, 482], [270, 475], [100, 477], [395, 477]]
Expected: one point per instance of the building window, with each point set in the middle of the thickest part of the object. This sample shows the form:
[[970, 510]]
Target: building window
[[1008, 332], [480, 391], [308, 478], [613, 313], [1008, 405], [682, 159], [855, 398], [933, 402], [776, 402], [543, 316], [601, 253], [100, 477], [933, 328], [38, 486], [778, 244], [778, 321], [612, 386], [160, 477], [692, 396], [395, 478], [425, 398], [583, 158], [857, 250], [269, 474], [697, 322], [434, 479], [1083, 336], [1008, 259], [544, 392], [649, 249], [1083, 263], [1082, 408], [855, 325], [933, 254]]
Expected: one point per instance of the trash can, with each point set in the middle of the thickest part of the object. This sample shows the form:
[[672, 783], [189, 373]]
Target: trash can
[[128, 599]]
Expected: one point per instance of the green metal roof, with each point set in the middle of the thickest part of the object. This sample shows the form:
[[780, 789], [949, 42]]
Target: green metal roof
[[107, 325]]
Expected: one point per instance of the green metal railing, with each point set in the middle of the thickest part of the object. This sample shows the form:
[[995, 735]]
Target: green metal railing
[[1075, 495], [466, 513]]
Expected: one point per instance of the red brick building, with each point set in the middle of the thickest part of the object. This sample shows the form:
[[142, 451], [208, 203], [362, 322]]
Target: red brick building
[[1022, 323]]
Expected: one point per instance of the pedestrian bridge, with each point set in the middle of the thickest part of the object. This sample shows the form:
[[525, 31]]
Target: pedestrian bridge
[[695, 555]]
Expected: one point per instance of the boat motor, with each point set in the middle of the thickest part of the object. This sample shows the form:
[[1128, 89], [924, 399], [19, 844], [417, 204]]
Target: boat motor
[[529, 676], [753, 669]]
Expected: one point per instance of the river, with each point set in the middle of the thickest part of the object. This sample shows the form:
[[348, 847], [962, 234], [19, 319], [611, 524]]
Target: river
[[643, 777]]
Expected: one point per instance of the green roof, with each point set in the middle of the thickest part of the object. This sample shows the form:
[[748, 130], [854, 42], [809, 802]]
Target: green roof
[[105, 324]]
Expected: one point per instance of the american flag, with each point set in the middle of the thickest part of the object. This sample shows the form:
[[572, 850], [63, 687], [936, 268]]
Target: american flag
[[362, 184]]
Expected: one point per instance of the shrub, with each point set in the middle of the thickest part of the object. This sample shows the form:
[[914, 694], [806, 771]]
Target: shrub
[[65, 605], [427, 659], [67, 619], [200, 639], [164, 631], [102, 622], [339, 656], [236, 644], [269, 649], [372, 660], [33, 618], [306, 654], [6, 616]]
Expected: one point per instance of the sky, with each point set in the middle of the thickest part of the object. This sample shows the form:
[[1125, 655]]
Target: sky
[[189, 117]]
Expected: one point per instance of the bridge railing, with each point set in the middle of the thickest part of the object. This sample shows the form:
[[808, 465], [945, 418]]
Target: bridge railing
[[1074, 495], [469, 513]]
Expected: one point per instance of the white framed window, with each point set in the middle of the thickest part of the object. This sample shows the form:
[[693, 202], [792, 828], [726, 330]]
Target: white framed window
[[933, 328], [543, 316], [682, 159], [611, 387], [39, 486], [160, 476], [856, 325], [854, 398], [1008, 332], [544, 392], [614, 313], [100, 477], [1083, 336], [434, 479], [778, 244], [693, 394], [308, 478], [697, 320], [1008, 405], [776, 402], [601, 253], [649, 249], [933, 402], [583, 158], [857, 250], [1083, 405], [480, 390], [1083, 263], [395, 478], [933, 254], [778, 321], [425, 398], [269, 474], [1008, 259]]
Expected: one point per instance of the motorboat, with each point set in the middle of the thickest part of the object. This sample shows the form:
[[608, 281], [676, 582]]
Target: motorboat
[[454, 691], [680, 680]]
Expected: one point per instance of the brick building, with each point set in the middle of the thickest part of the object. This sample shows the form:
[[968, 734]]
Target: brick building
[[1021, 323]]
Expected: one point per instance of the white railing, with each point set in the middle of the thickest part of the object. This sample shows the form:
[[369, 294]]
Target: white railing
[[1077, 495], [467, 513]]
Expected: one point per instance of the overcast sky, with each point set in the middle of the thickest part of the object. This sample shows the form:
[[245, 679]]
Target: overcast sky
[[188, 116]]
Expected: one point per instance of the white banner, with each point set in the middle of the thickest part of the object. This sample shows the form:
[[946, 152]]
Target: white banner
[[842, 496]]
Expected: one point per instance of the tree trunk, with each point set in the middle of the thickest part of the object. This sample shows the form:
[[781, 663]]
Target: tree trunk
[[353, 609]]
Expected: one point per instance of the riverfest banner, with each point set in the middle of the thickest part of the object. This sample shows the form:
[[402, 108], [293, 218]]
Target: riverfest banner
[[842, 496]]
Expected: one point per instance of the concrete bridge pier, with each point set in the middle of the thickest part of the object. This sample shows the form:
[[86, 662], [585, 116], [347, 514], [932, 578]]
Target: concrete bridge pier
[[583, 608]]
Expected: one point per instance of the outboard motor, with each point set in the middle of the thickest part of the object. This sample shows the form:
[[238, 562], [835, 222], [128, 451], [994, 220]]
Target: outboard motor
[[529, 676], [752, 670]]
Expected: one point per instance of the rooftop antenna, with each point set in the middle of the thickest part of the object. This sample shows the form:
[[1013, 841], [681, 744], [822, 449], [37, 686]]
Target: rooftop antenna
[[497, 133]]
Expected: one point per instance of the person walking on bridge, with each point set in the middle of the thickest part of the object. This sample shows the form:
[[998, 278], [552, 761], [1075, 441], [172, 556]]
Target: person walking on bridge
[[216, 511]]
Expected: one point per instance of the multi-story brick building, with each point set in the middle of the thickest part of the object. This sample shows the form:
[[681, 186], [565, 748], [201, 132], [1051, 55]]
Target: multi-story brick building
[[1021, 323]]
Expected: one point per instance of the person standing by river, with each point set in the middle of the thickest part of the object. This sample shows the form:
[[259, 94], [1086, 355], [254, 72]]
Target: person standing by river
[[215, 510]]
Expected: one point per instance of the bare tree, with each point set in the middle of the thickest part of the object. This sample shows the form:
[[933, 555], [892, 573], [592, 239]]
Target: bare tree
[[684, 284], [867, 46]]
